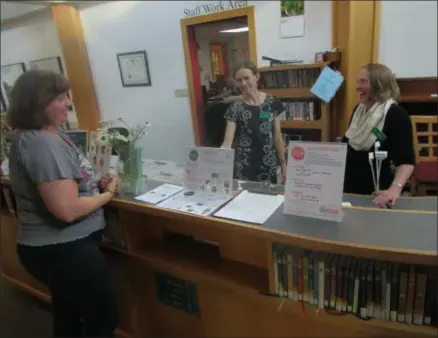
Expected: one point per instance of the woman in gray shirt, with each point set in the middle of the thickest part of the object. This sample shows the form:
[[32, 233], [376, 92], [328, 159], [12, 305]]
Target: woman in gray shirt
[[59, 208]]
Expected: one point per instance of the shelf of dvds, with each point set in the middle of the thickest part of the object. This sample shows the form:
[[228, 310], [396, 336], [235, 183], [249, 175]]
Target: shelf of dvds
[[237, 272], [291, 84]]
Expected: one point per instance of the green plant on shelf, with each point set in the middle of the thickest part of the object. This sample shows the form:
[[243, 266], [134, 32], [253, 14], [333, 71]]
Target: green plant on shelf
[[292, 7]]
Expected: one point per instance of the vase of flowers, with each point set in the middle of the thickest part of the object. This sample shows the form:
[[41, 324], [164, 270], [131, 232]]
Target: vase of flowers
[[125, 144]]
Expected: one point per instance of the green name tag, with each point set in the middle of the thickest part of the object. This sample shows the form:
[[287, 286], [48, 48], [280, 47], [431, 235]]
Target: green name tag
[[378, 133], [265, 115]]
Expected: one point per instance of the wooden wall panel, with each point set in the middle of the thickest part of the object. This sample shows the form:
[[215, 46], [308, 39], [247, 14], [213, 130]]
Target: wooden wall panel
[[356, 32], [71, 38]]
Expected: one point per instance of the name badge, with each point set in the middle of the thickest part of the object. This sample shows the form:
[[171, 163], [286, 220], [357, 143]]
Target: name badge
[[379, 134], [265, 116]]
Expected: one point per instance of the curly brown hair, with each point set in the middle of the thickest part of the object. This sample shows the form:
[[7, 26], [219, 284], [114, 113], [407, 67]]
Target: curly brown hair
[[31, 94]]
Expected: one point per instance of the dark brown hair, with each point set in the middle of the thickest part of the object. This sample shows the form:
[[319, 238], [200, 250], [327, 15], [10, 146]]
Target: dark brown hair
[[31, 94], [247, 64]]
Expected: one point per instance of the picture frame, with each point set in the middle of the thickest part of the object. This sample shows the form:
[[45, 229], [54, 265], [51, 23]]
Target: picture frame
[[134, 69], [9, 74], [319, 57], [53, 64]]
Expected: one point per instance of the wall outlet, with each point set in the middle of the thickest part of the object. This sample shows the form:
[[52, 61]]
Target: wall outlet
[[181, 93]]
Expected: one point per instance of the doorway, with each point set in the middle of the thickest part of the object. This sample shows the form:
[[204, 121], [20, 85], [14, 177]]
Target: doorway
[[210, 63]]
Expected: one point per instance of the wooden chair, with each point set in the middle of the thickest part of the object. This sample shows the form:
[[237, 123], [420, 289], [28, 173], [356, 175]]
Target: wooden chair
[[425, 177]]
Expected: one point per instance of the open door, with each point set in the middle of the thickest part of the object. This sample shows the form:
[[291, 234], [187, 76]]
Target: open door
[[196, 77]]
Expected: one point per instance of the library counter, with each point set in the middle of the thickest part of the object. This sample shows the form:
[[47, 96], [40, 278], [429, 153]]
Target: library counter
[[224, 270]]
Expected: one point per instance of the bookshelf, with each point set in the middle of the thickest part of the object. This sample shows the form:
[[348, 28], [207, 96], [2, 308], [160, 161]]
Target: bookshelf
[[419, 95], [232, 266], [304, 111]]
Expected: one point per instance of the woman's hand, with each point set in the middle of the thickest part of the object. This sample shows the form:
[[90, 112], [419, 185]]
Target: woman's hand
[[388, 197], [283, 173], [106, 180]]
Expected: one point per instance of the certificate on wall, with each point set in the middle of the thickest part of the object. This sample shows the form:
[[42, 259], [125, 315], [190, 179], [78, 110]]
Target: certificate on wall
[[315, 180], [209, 170], [134, 69]]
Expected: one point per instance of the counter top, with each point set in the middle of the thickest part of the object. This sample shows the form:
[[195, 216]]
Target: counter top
[[409, 231]]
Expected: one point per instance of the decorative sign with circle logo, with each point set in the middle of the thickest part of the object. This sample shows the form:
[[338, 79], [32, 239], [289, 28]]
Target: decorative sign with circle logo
[[209, 170], [315, 180]]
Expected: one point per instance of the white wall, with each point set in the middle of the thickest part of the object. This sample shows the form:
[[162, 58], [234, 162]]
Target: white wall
[[408, 38], [31, 39], [154, 26]]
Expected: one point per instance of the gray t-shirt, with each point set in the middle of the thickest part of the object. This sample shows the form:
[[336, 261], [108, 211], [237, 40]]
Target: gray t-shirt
[[39, 156]]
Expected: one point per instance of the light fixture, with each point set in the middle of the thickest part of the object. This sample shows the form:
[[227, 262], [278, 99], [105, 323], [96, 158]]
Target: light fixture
[[236, 30]]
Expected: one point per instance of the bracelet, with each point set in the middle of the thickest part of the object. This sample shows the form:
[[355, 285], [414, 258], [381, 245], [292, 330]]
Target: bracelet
[[111, 191], [398, 185]]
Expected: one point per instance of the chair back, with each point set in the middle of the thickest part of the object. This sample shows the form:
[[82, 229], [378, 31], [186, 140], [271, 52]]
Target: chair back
[[425, 138]]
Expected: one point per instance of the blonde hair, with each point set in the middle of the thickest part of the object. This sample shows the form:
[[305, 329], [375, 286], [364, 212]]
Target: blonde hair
[[382, 83]]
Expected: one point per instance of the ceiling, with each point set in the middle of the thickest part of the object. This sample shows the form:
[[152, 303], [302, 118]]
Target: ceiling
[[15, 9]]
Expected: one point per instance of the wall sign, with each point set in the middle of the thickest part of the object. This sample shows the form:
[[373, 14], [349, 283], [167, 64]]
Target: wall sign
[[215, 7]]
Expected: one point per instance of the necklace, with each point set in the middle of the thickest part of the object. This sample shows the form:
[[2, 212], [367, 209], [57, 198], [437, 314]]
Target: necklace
[[256, 100]]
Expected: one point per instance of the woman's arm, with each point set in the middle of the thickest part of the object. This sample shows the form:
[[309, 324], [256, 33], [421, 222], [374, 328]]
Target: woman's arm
[[402, 175], [68, 206], [230, 131], [278, 139]]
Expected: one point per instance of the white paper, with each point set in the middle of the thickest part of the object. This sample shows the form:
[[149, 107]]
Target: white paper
[[197, 203], [251, 207], [315, 180], [159, 194], [327, 84], [292, 26], [209, 170], [346, 204]]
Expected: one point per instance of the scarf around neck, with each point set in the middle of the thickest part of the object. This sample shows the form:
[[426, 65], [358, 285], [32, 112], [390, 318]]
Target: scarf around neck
[[360, 132]]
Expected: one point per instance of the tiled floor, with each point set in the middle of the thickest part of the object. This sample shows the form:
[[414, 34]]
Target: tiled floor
[[22, 315]]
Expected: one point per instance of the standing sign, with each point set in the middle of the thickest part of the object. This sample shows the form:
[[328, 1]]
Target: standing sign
[[208, 178], [315, 180]]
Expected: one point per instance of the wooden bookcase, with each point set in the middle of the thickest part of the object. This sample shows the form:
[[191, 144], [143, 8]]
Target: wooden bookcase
[[419, 95], [306, 115]]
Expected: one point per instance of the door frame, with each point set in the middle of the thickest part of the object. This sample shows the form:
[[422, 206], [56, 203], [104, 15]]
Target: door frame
[[247, 12]]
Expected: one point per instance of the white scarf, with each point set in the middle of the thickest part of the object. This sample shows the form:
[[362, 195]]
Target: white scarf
[[360, 133]]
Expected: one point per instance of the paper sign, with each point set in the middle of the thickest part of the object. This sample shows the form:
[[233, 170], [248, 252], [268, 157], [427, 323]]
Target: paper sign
[[209, 170], [102, 160], [315, 180], [327, 84]]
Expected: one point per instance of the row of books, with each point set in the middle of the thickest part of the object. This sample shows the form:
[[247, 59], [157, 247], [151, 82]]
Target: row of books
[[299, 111], [366, 288], [293, 78]]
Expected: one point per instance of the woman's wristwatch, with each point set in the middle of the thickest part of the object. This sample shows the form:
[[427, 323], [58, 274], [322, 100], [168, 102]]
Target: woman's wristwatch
[[111, 191], [398, 185]]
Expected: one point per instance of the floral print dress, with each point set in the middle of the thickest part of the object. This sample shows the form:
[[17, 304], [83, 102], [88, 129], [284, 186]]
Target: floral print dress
[[254, 143]]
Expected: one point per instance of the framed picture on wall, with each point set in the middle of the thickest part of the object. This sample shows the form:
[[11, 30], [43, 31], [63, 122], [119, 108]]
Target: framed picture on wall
[[80, 139], [10, 74], [134, 69], [54, 64]]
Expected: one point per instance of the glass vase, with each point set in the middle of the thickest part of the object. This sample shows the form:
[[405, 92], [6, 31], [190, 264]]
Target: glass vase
[[131, 170]]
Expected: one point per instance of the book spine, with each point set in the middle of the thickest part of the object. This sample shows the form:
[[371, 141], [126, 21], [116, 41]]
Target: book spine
[[284, 274], [339, 280], [410, 295], [289, 276], [370, 293], [300, 275], [321, 286], [295, 259], [310, 276], [351, 279], [377, 290], [363, 290], [430, 310], [280, 270], [403, 289], [388, 292], [394, 291], [305, 269], [327, 280], [345, 284], [420, 294], [333, 282]]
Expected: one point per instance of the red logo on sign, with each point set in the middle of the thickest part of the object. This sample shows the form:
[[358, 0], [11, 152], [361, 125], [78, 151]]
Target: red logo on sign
[[297, 153]]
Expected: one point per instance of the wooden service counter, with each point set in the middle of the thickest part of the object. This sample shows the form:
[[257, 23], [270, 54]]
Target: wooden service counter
[[233, 280]]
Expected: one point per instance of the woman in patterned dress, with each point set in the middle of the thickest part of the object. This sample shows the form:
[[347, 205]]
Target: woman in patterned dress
[[253, 130]]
